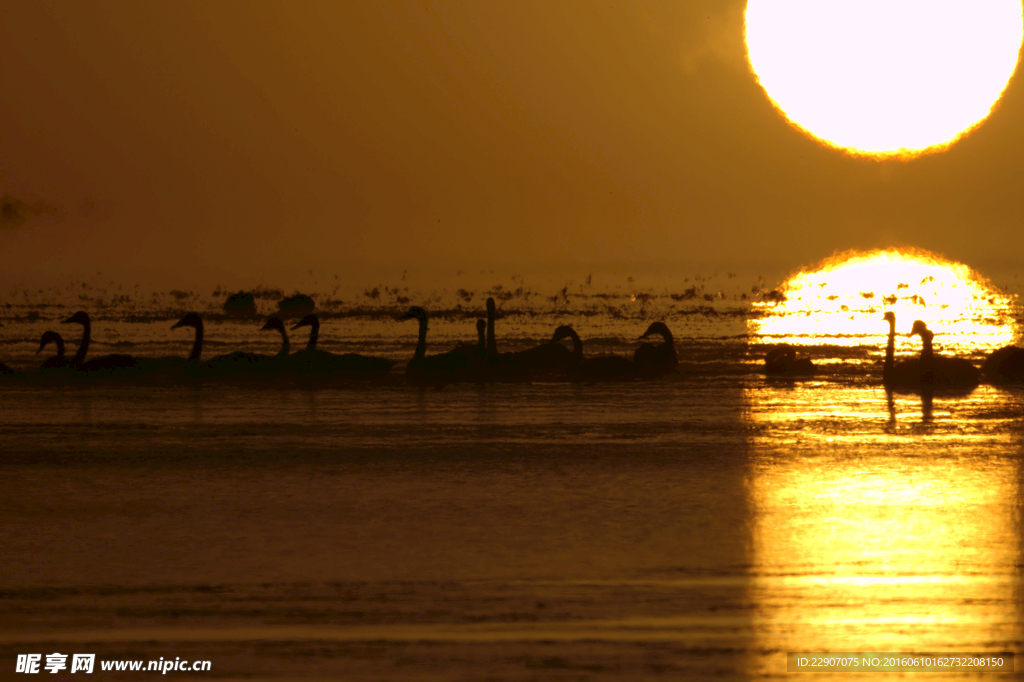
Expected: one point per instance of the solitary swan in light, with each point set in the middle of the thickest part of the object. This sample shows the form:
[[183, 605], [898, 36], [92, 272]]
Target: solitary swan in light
[[601, 367], [938, 371], [58, 362], [902, 374], [1005, 364], [781, 361], [113, 364], [450, 366], [312, 360], [654, 360]]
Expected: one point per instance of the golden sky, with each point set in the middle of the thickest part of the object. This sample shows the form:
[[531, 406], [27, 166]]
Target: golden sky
[[206, 142]]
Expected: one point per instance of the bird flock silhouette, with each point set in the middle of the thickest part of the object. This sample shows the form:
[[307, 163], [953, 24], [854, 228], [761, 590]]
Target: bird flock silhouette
[[481, 361]]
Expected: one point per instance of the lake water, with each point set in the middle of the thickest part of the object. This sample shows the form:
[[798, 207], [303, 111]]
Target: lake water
[[698, 526]]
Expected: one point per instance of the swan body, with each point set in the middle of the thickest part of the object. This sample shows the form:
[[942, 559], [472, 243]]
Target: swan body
[[450, 366], [930, 371], [116, 364], [1005, 364], [654, 360], [312, 360], [599, 368], [940, 371], [782, 361], [545, 357]]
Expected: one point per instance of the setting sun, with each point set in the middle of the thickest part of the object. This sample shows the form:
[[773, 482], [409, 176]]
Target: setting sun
[[843, 299], [884, 77]]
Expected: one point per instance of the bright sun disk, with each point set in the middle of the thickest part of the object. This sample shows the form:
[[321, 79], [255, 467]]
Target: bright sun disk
[[884, 77]]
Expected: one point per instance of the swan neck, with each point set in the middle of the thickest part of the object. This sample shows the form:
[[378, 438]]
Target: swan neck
[[926, 349], [492, 344], [60, 347], [197, 346], [83, 347], [285, 347], [483, 344], [421, 343], [577, 348], [314, 334], [890, 348]]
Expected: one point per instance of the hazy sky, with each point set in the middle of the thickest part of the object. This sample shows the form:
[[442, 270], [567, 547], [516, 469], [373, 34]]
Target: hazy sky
[[207, 142]]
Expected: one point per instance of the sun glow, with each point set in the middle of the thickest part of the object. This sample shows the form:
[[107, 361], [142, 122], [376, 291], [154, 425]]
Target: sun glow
[[884, 77], [842, 301]]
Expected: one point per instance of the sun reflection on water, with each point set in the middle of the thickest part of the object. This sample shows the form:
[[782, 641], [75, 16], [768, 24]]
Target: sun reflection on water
[[842, 300], [910, 554]]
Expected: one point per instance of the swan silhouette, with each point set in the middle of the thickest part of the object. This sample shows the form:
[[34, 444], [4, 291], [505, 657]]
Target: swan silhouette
[[1005, 364], [274, 322], [598, 368], [450, 366], [478, 349], [312, 360], [903, 374], [547, 357], [781, 361], [655, 360], [229, 364], [58, 363], [502, 365], [193, 320], [939, 371], [113, 364]]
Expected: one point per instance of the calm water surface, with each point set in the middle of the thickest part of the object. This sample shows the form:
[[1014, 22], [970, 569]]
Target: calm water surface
[[699, 526]]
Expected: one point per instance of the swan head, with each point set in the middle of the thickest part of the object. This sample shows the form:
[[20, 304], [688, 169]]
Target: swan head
[[920, 329], [415, 313], [273, 323], [780, 352], [81, 317], [490, 306], [889, 317], [657, 328], [308, 321], [48, 338], [481, 326], [563, 332], [190, 320]]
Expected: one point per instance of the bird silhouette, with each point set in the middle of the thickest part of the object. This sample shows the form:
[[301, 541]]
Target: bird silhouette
[[444, 367], [902, 374], [598, 368], [781, 361], [115, 364], [58, 363], [938, 371], [478, 349], [315, 361], [655, 360]]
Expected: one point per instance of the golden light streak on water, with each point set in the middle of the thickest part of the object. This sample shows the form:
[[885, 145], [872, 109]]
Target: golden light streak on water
[[907, 553], [841, 302]]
